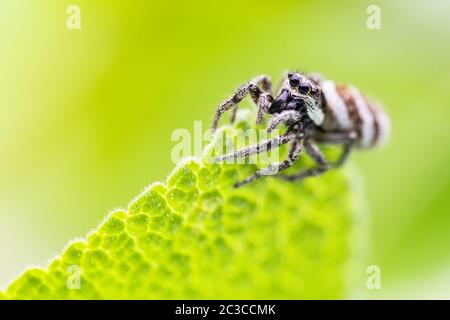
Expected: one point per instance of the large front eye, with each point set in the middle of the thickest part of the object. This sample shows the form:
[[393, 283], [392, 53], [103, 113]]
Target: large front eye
[[294, 80], [304, 88]]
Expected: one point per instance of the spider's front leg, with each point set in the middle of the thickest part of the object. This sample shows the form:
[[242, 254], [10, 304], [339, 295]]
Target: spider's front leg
[[264, 146], [294, 153], [260, 91]]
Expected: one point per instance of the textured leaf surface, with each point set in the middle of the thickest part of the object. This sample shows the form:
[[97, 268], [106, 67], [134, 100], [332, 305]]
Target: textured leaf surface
[[195, 236]]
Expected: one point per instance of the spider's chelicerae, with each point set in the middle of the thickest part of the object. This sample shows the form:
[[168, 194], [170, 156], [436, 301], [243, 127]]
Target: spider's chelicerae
[[314, 110]]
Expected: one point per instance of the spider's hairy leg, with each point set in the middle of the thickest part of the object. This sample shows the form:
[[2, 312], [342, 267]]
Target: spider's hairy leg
[[346, 139], [346, 150], [294, 153], [264, 99], [317, 155], [264, 146], [259, 89], [335, 137], [263, 103]]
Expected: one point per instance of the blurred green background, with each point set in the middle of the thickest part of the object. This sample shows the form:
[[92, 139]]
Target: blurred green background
[[86, 115]]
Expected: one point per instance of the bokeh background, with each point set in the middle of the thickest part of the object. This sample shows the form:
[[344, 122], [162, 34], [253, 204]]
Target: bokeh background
[[86, 115]]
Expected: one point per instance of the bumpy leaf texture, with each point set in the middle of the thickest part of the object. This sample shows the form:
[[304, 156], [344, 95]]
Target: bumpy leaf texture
[[195, 236]]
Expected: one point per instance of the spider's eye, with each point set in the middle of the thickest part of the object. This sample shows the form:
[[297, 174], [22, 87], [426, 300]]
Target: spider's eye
[[304, 88], [294, 80]]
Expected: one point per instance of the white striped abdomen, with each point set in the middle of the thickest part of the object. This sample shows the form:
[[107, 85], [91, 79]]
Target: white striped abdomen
[[346, 109]]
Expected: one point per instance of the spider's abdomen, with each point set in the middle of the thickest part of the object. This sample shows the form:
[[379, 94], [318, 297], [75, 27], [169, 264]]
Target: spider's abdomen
[[346, 109]]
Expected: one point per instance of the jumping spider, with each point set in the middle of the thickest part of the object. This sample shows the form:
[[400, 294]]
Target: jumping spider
[[314, 111]]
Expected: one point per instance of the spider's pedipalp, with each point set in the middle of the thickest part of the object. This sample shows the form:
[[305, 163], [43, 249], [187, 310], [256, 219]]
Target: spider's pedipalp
[[287, 117]]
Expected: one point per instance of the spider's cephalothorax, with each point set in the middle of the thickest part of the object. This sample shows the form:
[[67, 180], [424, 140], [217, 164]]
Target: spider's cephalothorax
[[315, 111]]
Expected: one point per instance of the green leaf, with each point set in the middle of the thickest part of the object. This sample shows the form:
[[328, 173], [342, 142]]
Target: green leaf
[[195, 236]]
